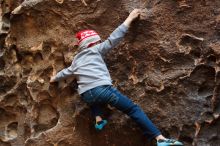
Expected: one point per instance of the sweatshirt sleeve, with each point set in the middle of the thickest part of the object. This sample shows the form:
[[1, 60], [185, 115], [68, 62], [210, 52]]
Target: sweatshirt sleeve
[[67, 72], [116, 36]]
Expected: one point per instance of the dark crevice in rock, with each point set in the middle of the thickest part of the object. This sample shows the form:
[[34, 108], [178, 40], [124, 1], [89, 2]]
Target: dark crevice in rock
[[7, 83]]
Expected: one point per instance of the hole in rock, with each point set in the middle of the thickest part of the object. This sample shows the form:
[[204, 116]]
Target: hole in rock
[[13, 54], [215, 140], [5, 116], [46, 73], [46, 50], [209, 134], [208, 101], [2, 64], [211, 58], [10, 100], [196, 52], [4, 143], [2, 41], [187, 133], [27, 131], [186, 139], [6, 21], [188, 39], [43, 96], [26, 70], [7, 83], [11, 130], [205, 91], [38, 57], [181, 61], [47, 118], [203, 73]]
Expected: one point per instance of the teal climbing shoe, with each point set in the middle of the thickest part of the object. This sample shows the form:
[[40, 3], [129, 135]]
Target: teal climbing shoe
[[100, 125], [169, 142]]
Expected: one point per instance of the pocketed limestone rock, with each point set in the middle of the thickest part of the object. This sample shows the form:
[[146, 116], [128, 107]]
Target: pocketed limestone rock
[[168, 64]]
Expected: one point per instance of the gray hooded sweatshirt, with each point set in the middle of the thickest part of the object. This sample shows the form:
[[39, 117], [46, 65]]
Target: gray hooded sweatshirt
[[88, 65]]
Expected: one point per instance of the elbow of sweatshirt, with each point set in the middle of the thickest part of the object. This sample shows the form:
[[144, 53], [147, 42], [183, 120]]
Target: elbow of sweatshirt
[[123, 28]]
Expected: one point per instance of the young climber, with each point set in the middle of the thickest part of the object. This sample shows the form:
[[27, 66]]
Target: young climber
[[94, 81]]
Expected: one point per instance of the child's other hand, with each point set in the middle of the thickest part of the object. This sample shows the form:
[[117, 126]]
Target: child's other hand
[[52, 79]]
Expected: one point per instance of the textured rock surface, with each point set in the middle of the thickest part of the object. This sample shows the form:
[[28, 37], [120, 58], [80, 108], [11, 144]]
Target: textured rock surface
[[168, 64]]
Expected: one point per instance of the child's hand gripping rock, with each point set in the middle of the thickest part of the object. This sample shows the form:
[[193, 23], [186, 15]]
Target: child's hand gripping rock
[[143, 14], [132, 16]]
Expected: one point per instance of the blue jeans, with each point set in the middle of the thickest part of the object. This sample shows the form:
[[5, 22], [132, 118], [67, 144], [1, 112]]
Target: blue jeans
[[108, 95]]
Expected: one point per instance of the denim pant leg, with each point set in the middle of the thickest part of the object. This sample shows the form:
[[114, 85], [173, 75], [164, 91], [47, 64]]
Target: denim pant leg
[[125, 105], [96, 110], [112, 96], [90, 100]]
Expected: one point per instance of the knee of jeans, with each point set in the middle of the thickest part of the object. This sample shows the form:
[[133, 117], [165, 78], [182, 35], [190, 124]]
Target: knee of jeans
[[113, 99], [131, 109]]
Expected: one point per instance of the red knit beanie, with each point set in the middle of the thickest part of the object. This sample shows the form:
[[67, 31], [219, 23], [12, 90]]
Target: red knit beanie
[[87, 38]]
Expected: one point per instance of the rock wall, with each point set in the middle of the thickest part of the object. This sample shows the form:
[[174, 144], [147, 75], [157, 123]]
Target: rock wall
[[168, 64]]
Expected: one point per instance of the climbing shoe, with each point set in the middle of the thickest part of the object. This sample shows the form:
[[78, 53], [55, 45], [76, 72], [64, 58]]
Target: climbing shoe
[[169, 142], [100, 125]]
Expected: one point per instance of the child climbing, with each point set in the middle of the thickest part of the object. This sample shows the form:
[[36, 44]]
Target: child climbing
[[94, 81]]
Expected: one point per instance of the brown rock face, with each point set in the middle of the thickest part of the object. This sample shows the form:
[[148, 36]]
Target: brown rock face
[[168, 64]]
